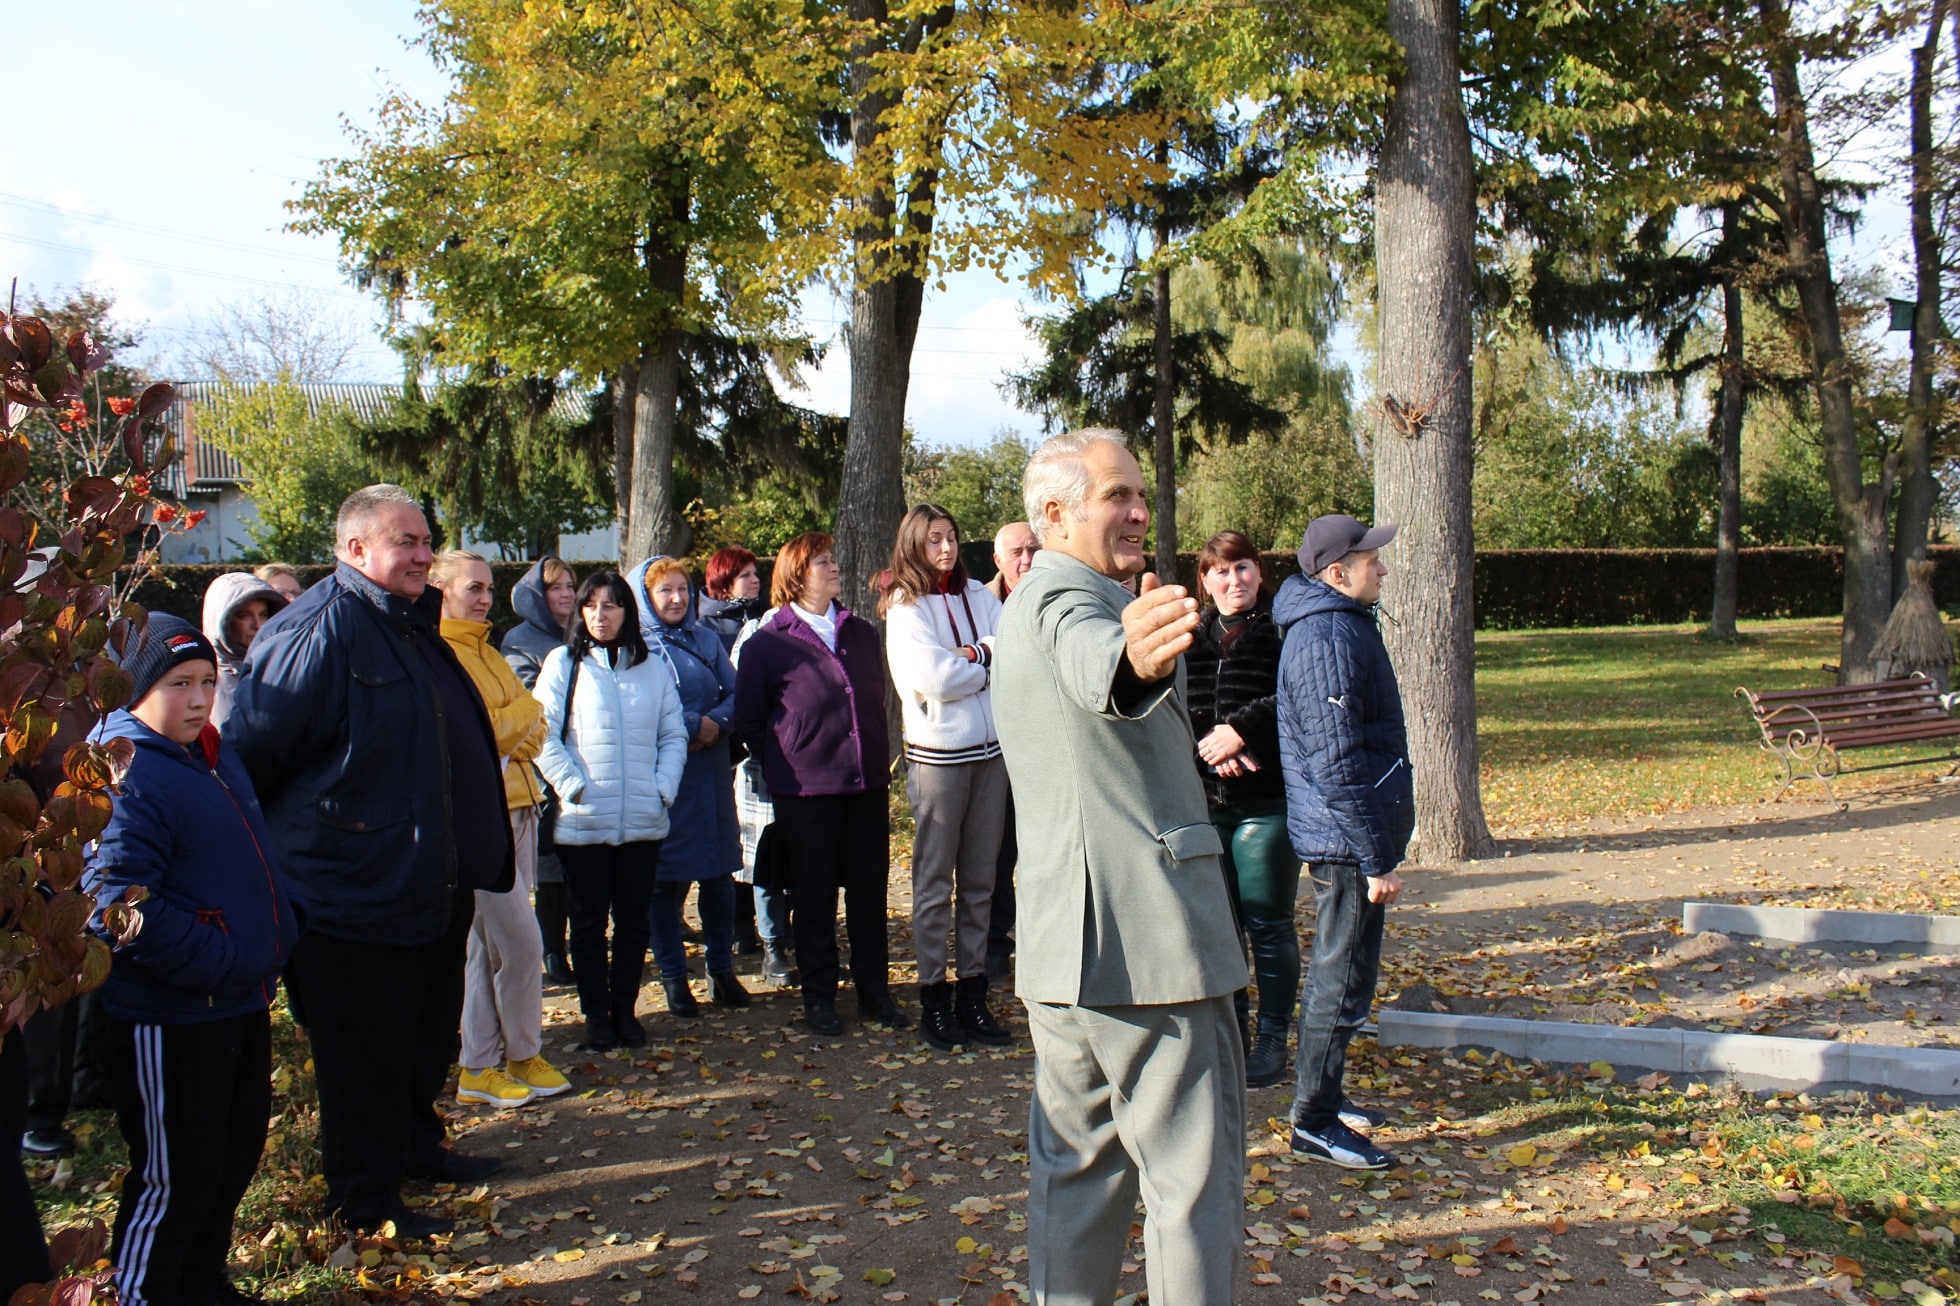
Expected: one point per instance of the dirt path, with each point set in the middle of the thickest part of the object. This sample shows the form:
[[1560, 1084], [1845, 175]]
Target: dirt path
[[742, 1159]]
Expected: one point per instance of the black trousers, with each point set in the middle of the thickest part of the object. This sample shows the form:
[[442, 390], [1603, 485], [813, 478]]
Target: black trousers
[[385, 1022], [839, 841], [192, 1102], [1000, 928], [23, 1251], [615, 881], [64, 1065]]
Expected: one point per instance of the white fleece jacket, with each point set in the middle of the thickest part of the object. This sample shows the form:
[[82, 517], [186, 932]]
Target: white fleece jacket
[[947, 705]]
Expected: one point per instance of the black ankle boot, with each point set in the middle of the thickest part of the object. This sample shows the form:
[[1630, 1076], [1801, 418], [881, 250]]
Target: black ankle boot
[[777, 968], [680, 999], [1266, 1064], [557, 970], [936, 1023], [726, 990], [970, 1010]]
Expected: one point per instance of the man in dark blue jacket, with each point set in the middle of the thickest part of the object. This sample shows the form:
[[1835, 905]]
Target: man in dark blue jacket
[[1350, 809], [379, 772]]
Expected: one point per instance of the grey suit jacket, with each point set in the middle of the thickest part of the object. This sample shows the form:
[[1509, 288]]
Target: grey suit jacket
[[1121, 897]]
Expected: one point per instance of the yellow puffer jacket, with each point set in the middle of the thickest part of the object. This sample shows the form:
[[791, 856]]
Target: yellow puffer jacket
[[517, 718]]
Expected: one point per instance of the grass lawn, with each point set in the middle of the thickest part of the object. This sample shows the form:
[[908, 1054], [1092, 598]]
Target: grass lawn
[[1580, 723]]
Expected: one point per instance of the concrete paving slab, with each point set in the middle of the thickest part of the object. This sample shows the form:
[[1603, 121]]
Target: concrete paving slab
[[1754, 1060], [1815, 925]]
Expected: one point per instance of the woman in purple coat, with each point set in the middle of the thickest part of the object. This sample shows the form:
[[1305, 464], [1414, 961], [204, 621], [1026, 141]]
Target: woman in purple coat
[[810, 702]]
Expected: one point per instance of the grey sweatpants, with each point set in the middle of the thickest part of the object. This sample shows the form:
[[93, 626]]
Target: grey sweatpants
[[503, 978], [960, 812], [1147, 1099]]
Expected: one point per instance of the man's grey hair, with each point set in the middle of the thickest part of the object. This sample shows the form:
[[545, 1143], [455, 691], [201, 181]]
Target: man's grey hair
[[357, 513], [1057, 474], [1000, 536]]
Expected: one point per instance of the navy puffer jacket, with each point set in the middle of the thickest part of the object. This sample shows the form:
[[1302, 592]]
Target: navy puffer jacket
[[219, 922], [1349, 797]]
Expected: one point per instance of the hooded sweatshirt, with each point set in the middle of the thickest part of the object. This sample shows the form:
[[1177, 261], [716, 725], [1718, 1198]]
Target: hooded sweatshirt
[[222, 600], [526, 645]]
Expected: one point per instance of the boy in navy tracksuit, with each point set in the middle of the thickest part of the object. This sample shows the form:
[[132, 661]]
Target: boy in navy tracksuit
[[187, 1037]]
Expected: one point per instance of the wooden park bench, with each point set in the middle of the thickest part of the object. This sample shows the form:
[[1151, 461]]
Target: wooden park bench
[[1810, 728]]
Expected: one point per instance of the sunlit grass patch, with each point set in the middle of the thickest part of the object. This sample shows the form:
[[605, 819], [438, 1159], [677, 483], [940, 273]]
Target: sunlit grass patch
[[1574, 724]]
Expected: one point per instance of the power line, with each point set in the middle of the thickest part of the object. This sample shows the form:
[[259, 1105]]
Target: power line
[[190, 238], [61, 247]]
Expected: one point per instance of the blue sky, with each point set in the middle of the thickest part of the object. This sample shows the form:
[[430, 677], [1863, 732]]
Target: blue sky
[[171, 134], [168, 135]]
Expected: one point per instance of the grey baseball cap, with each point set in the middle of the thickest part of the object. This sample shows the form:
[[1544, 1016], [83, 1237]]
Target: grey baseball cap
[[1333, 537]]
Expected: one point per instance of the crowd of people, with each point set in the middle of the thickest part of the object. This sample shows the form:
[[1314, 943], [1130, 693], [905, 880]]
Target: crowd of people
[[351, 790]]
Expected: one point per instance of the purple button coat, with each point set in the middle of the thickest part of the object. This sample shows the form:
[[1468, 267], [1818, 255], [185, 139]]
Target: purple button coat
[[816, 718]]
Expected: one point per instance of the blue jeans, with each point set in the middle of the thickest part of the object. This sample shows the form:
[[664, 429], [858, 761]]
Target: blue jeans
[[1347, 959], [772, 915], [717, 925]]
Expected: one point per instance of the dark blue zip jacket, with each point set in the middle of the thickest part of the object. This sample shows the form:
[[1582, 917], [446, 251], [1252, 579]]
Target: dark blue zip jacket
[[218, 924], [1349, 797], [339, 721]]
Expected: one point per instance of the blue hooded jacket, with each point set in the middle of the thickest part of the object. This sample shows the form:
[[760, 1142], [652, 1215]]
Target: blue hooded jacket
[[527, 644], [1349, 794], [219, 923], [704, 840]]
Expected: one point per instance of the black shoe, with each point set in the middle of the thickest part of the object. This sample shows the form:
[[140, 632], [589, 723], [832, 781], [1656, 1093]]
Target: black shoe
[[821, 1017], [453, 1167], [557, 971], [883, 1009], [1342, 1146], [417, 1224], [1356, 1116], [1266, 1065], [936, 1023], [726, 990], [680, 1000], [747, 941], [630, 1032], [408, 1224], [600, 1036], [970, 1010], [1000, 968], [777, 968], [48, 1142], [689, 934]]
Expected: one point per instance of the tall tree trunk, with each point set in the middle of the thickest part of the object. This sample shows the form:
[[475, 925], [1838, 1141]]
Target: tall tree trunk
[[1918, 494], [1728, 442], [1163, 406], [656, 525], [892, 251], [1859, 507], [1424, 226], [625, 384]]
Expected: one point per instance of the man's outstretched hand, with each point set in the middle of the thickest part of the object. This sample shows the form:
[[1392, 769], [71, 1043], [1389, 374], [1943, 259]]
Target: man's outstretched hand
[[1158, 626]]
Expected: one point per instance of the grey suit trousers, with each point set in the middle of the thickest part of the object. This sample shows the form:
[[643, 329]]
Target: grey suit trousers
[[1129, 1100]]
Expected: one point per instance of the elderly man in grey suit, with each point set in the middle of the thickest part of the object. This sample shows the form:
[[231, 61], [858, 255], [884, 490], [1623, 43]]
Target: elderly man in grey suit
[[1128, 956]]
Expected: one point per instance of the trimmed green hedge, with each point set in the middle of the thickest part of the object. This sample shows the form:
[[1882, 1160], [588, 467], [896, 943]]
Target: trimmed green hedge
[[1515, 588]]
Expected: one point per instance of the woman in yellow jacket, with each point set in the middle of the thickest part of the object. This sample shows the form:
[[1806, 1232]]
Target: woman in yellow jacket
[[503, 983]]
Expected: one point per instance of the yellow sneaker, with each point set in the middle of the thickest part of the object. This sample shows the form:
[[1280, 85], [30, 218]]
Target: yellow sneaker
[[538, 1075], [492, 1086]]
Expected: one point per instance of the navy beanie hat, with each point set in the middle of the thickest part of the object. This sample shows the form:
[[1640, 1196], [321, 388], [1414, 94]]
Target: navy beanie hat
[[166, 641]]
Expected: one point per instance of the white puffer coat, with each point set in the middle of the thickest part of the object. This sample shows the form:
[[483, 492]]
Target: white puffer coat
[[617, 769]]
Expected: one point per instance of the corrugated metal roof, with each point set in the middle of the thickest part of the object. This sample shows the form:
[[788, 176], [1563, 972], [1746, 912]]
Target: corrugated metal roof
[[205, 468]]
